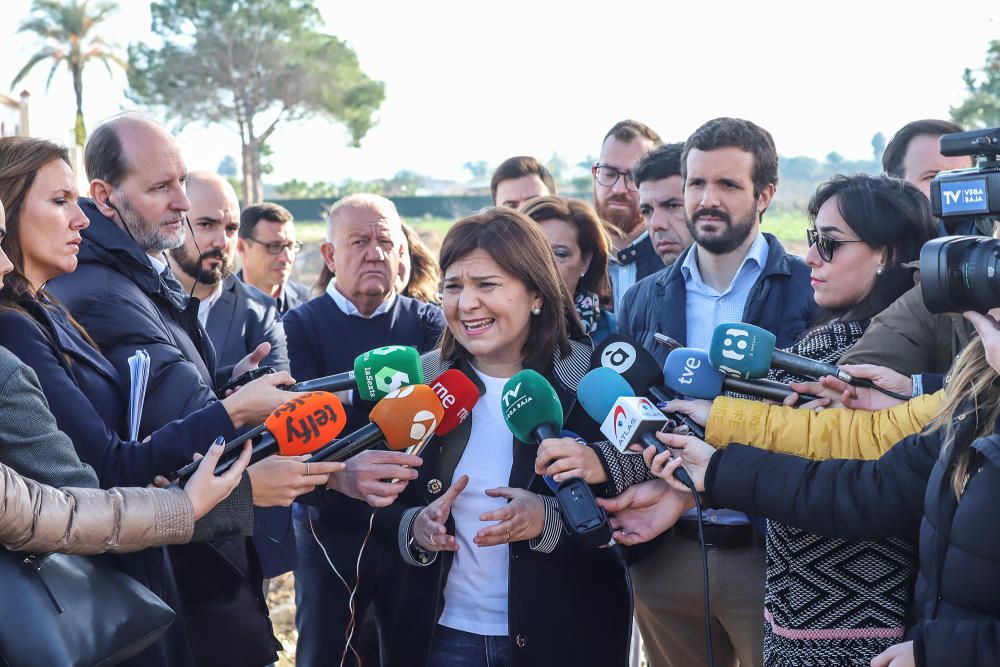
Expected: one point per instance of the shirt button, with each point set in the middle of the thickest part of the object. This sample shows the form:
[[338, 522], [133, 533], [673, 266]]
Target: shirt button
[[633, 253], [520, 641], [715, 519]]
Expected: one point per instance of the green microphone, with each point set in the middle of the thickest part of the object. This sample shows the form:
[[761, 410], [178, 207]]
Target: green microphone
[[376, 373], [531, 407]]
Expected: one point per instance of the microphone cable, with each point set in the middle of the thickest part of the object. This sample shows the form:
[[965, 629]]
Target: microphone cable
[[704, 565]]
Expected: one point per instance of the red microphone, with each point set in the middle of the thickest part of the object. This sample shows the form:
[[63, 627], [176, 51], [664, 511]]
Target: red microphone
[[300, 425], [458, 395]]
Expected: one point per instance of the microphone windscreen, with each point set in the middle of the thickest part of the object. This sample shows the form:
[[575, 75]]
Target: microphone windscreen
[[630, 360], [743, 350], [458, 395], [408, 416], [386, 369], [528, 402], [598, 391], [306, 422], [688, 372]]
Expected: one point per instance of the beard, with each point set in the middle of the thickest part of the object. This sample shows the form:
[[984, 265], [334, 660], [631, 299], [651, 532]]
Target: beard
[[730, 237], [626, 220], [196, 268], [151, 237]]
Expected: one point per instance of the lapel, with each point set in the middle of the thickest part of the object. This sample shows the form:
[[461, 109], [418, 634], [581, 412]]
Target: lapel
[[70, 344], [670, 308], [222, 324]]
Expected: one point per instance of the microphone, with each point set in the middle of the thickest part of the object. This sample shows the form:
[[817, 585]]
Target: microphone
[[376, 373], [300, 425], [642, 372], [403, 418], [624, 419], [688, 371], [458, 395], [531, 407], [747, 351]]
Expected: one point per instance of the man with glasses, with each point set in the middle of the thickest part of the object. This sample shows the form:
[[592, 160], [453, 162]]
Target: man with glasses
[[616, 199], [267, 249]]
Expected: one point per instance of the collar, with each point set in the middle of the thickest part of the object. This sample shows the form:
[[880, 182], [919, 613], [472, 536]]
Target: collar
[[210, 300], [757, 252], [158, 264], [347, 307], [629, 253]]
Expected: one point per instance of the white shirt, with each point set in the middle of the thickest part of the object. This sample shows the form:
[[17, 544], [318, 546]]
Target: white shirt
[[348, 308], [622, 276], [205, 305], [158, 264], [475, 595]]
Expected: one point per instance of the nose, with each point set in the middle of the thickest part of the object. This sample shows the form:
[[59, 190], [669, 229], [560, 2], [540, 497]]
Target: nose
[[180, 201], [619, 186], [79, 220], [6, 266], [468, 301], [710, 197], [812, 257], [375, 253]]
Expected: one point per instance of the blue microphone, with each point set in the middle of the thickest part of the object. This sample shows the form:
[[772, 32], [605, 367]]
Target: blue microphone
[[609, 400], [689, 372]]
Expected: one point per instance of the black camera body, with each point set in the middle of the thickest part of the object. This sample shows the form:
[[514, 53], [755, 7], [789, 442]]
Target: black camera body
[[969, 194]]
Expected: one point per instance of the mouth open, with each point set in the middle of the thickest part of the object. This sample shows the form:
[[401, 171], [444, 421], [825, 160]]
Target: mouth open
[[476, 327]]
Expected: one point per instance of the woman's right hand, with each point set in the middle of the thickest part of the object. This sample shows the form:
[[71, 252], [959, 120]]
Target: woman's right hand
[[696, 409], [686, 450], [252, 403], [205, 488], [429, 528], [278, 480]]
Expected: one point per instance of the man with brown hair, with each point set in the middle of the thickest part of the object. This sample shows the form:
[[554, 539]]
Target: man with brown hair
[[616, 199], [267, 249], [518, 179]]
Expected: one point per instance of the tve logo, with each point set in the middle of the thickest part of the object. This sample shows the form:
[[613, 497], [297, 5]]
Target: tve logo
[[691, 364], [965, 196]]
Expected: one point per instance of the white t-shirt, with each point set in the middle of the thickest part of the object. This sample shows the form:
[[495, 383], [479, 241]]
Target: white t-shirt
[[475, 596]]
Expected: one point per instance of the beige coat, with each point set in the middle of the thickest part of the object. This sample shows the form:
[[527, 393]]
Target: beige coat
[[39, 518]]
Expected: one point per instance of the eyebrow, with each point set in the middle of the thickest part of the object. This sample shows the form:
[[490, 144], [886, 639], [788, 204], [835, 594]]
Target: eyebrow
[[827, 229], [473, 277]]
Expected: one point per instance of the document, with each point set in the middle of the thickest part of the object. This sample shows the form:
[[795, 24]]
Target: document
[[138, 371]]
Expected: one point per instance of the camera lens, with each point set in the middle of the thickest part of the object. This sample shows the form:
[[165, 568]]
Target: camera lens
[[959, 273]]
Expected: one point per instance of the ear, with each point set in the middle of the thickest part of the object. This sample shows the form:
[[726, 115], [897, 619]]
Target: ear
[[326, 249], [765, 197], [100, 192]]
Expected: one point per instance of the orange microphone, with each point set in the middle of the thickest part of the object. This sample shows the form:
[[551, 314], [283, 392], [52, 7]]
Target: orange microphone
[[404, 418], [300, 425]]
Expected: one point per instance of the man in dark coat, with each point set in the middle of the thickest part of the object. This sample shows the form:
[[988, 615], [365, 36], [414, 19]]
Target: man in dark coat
[[126, 297], [733, 272], [267, 249]]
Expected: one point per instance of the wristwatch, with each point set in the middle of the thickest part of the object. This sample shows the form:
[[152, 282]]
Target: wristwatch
[[421, 555]]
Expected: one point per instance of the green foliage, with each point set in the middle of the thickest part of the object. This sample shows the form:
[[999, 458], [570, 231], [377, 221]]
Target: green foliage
[[479, 171], [405, 183], [982, 106], [252, 65], [227, 167], [67, 30]]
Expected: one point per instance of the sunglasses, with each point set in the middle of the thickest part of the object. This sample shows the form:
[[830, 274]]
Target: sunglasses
[[825, 245]]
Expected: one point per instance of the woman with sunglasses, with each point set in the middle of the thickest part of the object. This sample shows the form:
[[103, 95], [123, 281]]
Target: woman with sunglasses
[[832, 601]]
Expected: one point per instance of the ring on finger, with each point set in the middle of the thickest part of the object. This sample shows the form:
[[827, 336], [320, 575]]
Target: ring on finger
[[431, 540], [307, 468], [508, 537]]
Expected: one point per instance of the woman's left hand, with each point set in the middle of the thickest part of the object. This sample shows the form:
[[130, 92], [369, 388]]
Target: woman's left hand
[[523, 518], [900, 655]]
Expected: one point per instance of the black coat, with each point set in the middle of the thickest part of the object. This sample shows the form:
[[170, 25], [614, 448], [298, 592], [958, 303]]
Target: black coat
[[125, 306], [907, 493], [569, 607]]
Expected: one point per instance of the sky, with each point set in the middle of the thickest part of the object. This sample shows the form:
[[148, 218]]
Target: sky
[[468, 81]]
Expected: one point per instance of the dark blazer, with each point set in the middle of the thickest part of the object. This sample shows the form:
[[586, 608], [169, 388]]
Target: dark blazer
[[568, 607], [243, 318], [292, 295], [781, 301], [125, 306], [906, 493]]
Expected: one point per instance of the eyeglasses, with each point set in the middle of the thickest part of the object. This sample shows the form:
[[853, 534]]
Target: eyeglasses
[[825, 245], [608, 176], [276, 247]]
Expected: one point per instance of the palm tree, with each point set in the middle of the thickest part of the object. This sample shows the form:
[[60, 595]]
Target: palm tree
[[66, 28]]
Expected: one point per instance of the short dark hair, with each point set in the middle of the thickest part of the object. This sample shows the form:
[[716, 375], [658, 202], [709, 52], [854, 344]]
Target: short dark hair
[[520, 166], [661, 162], [885, 212], [742, 134], [104, 158], [517, 244], [895, 150], [251, 215], [629, 130]]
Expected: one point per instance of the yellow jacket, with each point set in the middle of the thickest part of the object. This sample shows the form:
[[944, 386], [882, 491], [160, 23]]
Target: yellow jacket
[[837, 433]]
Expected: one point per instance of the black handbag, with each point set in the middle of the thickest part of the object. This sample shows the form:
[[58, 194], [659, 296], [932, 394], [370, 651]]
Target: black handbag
[[62, 610]]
